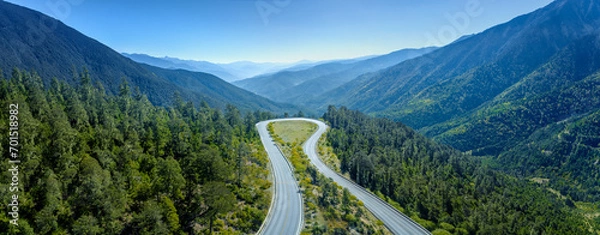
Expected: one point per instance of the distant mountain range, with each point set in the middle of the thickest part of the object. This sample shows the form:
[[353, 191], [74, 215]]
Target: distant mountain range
[[526, 92], [299, 84], [172, 63], [53, 49], [229, 72]]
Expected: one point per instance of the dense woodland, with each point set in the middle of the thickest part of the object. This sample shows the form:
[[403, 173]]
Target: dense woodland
[[439, 187], [99, 164], [566, 153]]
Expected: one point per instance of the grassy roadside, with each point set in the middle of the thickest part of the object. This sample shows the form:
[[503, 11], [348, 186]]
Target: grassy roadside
[[328, 157], [329, 209]]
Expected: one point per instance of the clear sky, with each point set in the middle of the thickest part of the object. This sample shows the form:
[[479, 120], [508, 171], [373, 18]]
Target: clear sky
[[278, 30]]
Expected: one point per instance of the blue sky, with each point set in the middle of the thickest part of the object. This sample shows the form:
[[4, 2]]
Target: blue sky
[[278, 30]]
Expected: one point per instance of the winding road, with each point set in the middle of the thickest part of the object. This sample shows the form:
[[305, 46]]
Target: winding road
[[394, 220]]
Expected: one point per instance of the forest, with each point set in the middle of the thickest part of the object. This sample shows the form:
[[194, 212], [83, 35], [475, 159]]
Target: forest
[[93, 163], [444, 190]]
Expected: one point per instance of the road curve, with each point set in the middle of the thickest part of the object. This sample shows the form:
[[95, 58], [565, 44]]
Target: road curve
[[394, 220], [286, 213]]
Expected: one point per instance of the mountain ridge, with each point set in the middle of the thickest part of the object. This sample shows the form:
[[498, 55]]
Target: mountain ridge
[[173, 64], [62, 52], [388, 93]]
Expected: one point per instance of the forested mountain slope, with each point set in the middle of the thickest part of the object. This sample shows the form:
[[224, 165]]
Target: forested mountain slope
[[93, 163], [462, 76], [543, 125], [440, 187], [567, 153], [32, 41], [564, 87]]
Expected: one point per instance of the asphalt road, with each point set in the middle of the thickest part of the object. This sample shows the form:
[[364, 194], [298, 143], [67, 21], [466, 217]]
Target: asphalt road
[[286, 211]]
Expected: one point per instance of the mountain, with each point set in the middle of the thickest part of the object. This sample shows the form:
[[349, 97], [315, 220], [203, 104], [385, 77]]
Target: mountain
[[525, 93], [247, 69], [296, 86], [546, 125], [229, 72], [173, 63], [269, 84], [464, 75], [32, 41], [158, 62], [563, 88], [218, 91]]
